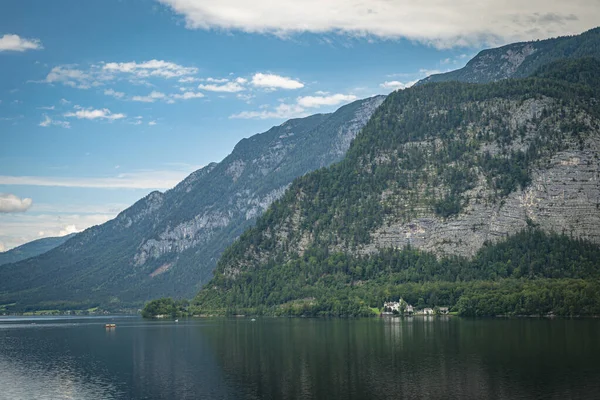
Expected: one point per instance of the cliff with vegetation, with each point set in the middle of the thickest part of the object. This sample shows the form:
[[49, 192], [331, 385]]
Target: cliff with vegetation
[[481, 197]]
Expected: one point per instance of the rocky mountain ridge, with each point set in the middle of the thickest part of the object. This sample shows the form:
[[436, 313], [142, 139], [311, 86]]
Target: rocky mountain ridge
[[168, 243], [519, 60]]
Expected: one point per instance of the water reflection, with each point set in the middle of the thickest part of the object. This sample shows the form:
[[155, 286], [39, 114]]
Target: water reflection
[[392, 358], [412, 358]]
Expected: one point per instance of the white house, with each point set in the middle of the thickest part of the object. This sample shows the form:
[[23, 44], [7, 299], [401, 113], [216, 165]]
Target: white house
[[392, 306], [428, 311], [397, 306]]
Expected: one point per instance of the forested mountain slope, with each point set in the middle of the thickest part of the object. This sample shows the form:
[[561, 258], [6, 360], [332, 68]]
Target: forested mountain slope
[[437, 181], [519, 60], [168, 243]]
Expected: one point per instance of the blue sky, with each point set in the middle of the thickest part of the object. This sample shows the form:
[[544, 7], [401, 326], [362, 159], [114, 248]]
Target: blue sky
[[103, 101]]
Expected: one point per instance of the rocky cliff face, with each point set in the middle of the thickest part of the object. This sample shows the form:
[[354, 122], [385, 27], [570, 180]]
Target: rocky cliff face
[[446, 168], [519, 60], [167, 244], [563, 197], [244, 194]]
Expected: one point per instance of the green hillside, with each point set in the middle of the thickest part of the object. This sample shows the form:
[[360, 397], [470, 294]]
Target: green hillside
[[423, 153]]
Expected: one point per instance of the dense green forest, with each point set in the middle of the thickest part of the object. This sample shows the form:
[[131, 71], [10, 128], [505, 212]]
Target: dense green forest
[[422, 150], [165, 308], [530, 273]]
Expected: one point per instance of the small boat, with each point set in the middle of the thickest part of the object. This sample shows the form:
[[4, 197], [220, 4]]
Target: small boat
[[253, 320], [110, 326], [176, 320]]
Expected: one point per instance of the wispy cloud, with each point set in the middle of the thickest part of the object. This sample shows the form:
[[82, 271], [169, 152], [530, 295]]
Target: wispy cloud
[[319, 101], [12, 42], [113, 93], [187, 95], [49, 121], [94, 75], [395, 85], [141, 179], [152, 68], [297, 109], [70, 75], [228, 87], [282, 111], [150, 98]]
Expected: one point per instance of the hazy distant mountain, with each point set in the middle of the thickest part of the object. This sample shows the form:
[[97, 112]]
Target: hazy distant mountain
[[32, 249], [167, 244], [519, 60]]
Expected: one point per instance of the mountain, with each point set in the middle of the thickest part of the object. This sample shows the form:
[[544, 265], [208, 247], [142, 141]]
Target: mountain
[[484, 198], [32, 249], [519, 60], [168, 243]]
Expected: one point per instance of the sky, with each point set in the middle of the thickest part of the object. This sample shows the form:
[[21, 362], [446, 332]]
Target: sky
[[104, 101]]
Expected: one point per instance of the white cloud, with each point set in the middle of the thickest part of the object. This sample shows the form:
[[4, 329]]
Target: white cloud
[[112, 92], [395, 85], [91, 114], [49, 121], [151, 98], [46, 108], [11, 42], [245, 97], [95, 75], [229, 87], [9, 203], [282, 111], [426, 72], [152, 123], [188, 79], [187, 95], [272, 81], [440, 23], [217, 80], [70, 76], [299, 109], [160, 68], [318, 101]]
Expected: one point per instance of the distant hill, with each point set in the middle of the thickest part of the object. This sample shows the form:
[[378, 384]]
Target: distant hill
[[32, 249], [519, 60], [167, 244]]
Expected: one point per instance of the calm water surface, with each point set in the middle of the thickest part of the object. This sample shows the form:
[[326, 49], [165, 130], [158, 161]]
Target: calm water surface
[[276, 358]]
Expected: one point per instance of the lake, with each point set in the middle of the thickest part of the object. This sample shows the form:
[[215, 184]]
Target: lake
[[279, 358]]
